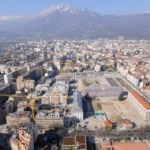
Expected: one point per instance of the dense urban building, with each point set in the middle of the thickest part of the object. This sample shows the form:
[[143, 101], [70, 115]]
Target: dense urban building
[[69, 88]]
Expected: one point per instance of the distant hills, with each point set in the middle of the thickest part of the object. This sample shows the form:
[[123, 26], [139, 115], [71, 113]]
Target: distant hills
[[67, 22]]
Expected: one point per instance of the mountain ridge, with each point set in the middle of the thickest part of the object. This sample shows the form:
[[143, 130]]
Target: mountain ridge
[[65, 21]]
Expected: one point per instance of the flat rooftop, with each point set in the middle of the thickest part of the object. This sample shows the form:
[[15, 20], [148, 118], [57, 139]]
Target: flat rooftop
[[69, 141]]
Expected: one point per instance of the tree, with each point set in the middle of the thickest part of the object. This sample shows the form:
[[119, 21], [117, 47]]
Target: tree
[[121, 97], [87, 97]]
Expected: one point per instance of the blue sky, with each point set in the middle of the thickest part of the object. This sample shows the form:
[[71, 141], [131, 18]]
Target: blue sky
[[32, 7]]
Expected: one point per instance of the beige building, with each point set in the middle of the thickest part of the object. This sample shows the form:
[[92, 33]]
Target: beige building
[[12, 74], [14, 120], [50, 98], [25, 83], [49, 120]]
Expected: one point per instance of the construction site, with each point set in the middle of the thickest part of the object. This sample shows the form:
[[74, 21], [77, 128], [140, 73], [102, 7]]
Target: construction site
[[106, 108]]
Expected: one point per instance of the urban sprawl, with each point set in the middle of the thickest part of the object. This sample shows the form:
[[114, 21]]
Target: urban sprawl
[[75, 95]]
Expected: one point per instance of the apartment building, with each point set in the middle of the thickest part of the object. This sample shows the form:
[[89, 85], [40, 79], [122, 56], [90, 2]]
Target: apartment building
[[77, 110]]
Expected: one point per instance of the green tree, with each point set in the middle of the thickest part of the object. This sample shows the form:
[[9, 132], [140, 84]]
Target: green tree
[[87, 97], [121, 97]]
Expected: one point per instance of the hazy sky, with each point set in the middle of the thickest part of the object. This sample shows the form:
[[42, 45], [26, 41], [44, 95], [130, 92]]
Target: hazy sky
[[27, 7]]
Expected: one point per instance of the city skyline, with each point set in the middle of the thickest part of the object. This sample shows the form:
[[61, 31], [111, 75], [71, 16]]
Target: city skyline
[[74, 74], [32, 7]]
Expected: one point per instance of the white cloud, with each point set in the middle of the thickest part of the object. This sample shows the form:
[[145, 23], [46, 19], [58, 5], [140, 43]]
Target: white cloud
[[7, 18]]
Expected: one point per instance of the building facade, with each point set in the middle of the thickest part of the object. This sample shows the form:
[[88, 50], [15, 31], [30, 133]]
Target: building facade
[[141, 105], [77, 110]]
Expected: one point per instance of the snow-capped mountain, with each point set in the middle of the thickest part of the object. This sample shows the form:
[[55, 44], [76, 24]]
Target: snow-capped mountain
[[66, 21], [65, 8]]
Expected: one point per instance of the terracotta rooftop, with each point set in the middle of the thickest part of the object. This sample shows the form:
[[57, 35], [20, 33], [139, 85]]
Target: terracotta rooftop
[[81, 140], [140, 99], [107, 123], [127, 146], [127, 122], [148, 88], [69, 141]]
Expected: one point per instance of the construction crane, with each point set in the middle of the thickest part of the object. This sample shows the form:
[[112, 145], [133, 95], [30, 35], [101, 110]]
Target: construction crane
[[32, 107], [26, 96], [31, 103]]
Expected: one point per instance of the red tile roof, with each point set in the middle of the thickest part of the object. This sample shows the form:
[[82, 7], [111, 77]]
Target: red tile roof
[[80, 139], [127, 122], [71, 141], [140, 99], [107, 123], [148, 88], [127, 146]]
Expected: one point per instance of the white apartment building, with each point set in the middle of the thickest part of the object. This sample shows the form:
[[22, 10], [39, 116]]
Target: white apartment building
[[77, 110]]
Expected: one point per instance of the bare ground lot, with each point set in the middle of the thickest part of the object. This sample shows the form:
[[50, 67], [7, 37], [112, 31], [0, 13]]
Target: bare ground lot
[[130, 112], [109, 106]]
